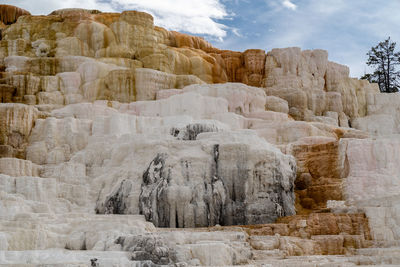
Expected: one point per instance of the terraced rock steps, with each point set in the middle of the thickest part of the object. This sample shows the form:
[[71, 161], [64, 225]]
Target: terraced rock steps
[[104, 116], [314, 234]]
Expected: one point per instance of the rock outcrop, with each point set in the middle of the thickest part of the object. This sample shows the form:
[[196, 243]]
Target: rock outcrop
[[124, 57], [16, 123], [124, 144], [314, 86], [10, 14], [240, 186]]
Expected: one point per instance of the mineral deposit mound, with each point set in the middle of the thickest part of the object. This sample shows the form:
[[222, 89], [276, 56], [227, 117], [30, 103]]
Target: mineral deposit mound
[[124, 144]]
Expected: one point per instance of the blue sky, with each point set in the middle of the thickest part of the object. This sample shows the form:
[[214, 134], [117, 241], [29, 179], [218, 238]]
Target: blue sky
[[346, 28]]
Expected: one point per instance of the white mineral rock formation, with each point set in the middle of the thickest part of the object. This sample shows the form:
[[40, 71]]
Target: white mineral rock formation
[[168, 161], [124, 144], [373, 183]]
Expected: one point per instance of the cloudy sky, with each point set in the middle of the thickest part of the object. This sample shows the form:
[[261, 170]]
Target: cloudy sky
[[346, 28]]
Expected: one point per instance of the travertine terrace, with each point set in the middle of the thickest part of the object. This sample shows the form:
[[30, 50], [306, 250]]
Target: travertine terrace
[[124, 144]]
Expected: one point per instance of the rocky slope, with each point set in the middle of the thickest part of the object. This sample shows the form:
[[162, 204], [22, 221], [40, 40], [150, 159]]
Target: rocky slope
[[124, 144]]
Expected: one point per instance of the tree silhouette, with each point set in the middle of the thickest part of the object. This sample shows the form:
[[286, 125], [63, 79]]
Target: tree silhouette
[[384, 59]]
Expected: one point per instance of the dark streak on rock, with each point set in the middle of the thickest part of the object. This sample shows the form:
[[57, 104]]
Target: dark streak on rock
[[191, 131], [152, 200], [116, 202]]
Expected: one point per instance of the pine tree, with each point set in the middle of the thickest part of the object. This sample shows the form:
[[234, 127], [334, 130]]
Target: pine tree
[[385, 60]]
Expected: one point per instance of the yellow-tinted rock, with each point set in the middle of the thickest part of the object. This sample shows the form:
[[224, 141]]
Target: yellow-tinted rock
[[319, 171], [254, 62], [185, 40], [233, 64], [9, 14], [119, 86], [16, 122], [312, 86], [309, 82], [18, 167], [148, 82], [138, 18], [96, 35]]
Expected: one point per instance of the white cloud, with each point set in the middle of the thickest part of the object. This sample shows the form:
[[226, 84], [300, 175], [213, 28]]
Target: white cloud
[[193, 16], [289, 5], [236, 32]]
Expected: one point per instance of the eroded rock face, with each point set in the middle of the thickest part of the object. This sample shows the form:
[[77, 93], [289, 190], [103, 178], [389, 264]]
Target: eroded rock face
[[147, 248], [197, 186], [382, 116], [312, 85], [16, 123], [192, 130], [9, 14], [124, 57], [49, 48], [182, 189], [372, 182], [231, 194], [319, 171]]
